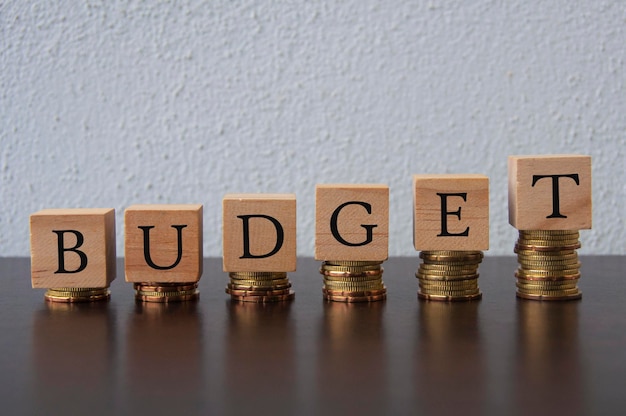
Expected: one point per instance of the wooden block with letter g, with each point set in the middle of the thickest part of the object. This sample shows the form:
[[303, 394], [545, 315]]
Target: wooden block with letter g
[[72, 248], [259, 233], [163, 243], [351, 222], [550, 192], [451, 212]]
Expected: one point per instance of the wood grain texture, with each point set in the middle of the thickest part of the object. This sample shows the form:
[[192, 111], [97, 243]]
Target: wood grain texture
[[361, 215], [535, 182], [451, 212], [95, 267], [265, 217], [176, 263]]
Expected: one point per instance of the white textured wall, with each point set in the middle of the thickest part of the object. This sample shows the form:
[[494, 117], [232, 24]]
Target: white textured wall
[[111, 103]]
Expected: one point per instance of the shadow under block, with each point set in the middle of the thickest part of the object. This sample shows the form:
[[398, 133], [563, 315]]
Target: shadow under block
[[351, 222], [550, 192], [163, 243], [259, 232], [451, 212], [72, 248]]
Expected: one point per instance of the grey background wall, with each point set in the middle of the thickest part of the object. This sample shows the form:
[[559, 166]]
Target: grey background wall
[[111, 103]]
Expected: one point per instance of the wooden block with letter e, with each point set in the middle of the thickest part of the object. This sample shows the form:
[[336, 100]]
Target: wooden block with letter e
[[351, 222], [72, 248], [550, 192], [451, 212], [163, 243], [259, 233]]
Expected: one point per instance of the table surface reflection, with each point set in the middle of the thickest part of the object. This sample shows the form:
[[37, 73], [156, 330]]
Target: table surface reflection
[[311, 357]]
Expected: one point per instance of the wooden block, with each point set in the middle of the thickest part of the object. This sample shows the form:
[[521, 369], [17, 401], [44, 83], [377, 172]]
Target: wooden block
[[352, 222], [451, 212], [72, 248], [259, 232], [163, 243], [550, 192]]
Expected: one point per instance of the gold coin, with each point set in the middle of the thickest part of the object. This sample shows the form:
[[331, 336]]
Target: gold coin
[[257, 275], [574, 296], [560, 292], [548, 232], [542, 248], [445, 298], [350, 287], [547, 243], [264, 299], [260, 283], [447, 284], [236, 286], [462, 272], [460, 256], [545, 254], [71, 297], [160, 288], [554, 239], [444, 267], [549, 262], [166, 294], [351, 269], [167, 299], [60, 292], [353, 299], [360, 293], [353, 278], [269, 292], [447, 292], [541, 278], [552, 273], [546, 267], [369, 273], [350, 263], [540, 287], [445, 277]]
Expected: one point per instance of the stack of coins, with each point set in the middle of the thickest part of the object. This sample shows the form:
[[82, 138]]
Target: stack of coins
[[166, 292], [259, 287], [449, 275], [548, 265], [77, 294], [353, 281]]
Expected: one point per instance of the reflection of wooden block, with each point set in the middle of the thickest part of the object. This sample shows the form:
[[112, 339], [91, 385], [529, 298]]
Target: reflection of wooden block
[[352, 222], [259, 232], [550, 192], [72, 248], [163, 243], [451, 212]]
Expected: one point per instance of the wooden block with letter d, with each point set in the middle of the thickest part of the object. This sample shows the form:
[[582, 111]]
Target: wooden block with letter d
[[550, 192], [259, 233], [351, 222], [72, 248], [451, 212], [163, 243]]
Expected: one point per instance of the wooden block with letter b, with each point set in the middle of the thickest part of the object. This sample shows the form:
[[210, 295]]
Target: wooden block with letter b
[[163, 243], [451, 212], [72, 248], [351, 222], [259, 233], [550, 192]]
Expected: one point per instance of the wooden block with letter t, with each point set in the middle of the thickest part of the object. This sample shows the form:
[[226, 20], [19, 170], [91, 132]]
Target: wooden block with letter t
[[163, 243], [259, 233], [451, 212], [72, 248], [550, 192], [351, 222]]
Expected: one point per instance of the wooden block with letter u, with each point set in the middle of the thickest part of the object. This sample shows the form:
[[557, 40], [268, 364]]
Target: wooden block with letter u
[[73, 249], [451, 212], [259, 233], [163, 243]]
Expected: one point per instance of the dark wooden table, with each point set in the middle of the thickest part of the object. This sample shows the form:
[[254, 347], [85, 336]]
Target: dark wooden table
[[497, 356]]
